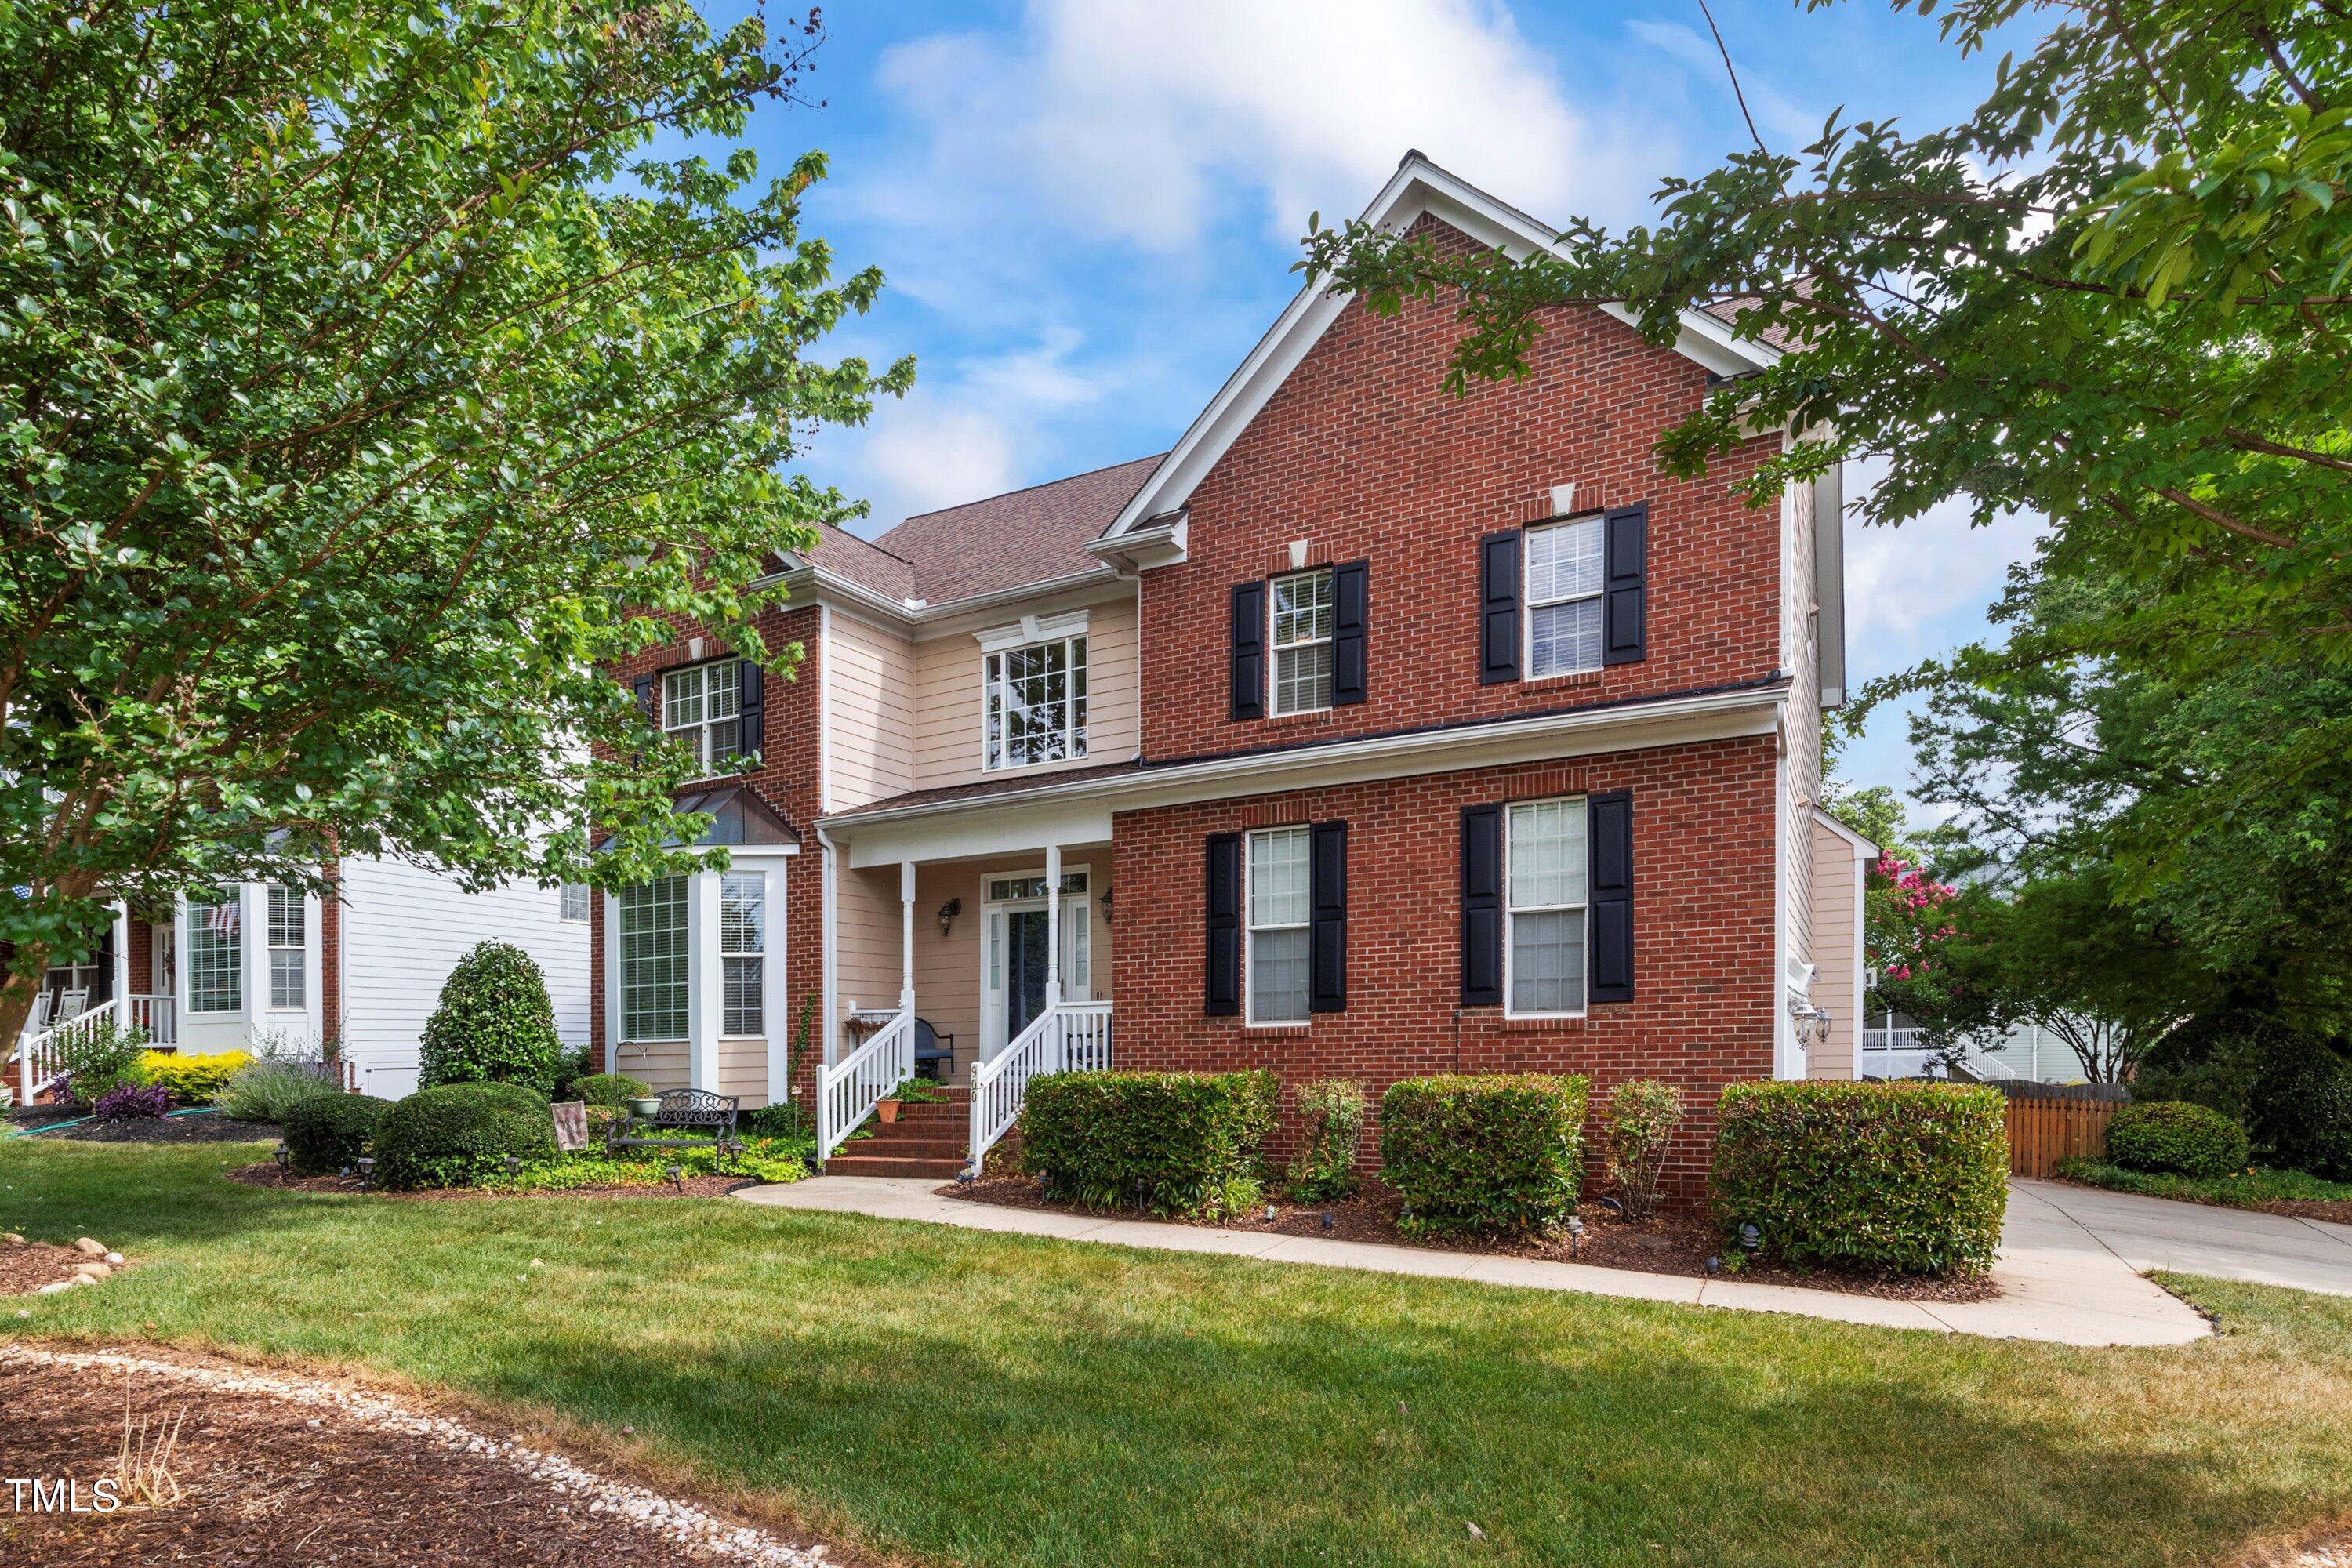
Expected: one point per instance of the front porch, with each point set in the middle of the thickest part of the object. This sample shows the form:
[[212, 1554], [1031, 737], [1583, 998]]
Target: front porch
[[999, 964]]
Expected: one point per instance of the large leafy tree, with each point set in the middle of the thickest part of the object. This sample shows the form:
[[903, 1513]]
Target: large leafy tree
[[366, 379], [2118, 293]]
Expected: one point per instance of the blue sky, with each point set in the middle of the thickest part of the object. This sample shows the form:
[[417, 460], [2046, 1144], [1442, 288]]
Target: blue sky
[[1087, 210]]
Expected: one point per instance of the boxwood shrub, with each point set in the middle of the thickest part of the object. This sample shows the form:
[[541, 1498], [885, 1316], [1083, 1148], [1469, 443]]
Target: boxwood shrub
[[494, 1023], [329, 1134], [2174, 1137], [1188, 1143], [456, 1134], [1907, 1178], [609, 1089], [1479, 1152]]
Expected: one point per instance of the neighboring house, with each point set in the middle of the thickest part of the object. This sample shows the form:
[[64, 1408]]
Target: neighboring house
[[1893, 1047], [1370, 730], [268, 966]]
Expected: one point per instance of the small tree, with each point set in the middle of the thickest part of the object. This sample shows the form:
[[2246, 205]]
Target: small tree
[[1643, 1116], [494, 1024], [1325, 1167]]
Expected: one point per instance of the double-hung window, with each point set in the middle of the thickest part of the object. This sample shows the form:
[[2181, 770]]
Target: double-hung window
[[1565, 576], [743, 951], [215, 953], [702, 706], [1545, 861], [573, 901], [286, 943], [1279, 908], [654, 960], [1302, 641], [1036, 702]]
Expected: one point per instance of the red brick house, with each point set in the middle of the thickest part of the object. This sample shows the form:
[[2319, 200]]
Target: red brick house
[[1368, 730]]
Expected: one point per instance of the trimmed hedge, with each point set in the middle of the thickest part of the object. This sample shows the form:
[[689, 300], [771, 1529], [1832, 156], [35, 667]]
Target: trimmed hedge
[[494, 1024], [1187, 1142], [1474, 1152], [331, 1132], [2301, 1109], [1903, 1177], [456, 1134], [192, 1080], [2176, 1137], [609, 1089]]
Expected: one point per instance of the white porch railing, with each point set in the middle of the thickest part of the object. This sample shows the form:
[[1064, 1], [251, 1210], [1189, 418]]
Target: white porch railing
[[35, 1066], [156, 1017], [847, 1091], [1072, 1037], [1899, 1053]]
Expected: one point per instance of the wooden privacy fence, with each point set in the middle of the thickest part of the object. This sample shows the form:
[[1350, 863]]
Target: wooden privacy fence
[[2047, 1122]]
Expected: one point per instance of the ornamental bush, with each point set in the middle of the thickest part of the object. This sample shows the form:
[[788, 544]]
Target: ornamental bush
[[1184, 1143], [266, 1090], [329, 1134], [2176, 1137], [1325, 1168], [1473, 1153], [457, 1134], [494, 1024], [1641, 1121], [192, 1080], [96, 1056], [1907, 1178], [608, 1089], [2301, 1106], [131, 1102]]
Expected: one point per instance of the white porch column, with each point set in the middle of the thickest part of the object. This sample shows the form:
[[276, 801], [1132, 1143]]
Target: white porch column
[[906, 936], [253, 951], [121, 962], [775, 1006], [706, 990], [1053, 925]]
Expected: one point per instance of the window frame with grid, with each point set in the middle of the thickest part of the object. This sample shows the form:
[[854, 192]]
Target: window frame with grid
[[575, 903], [701, 732], [1530, 903], [1297, 936], [288, 931], [1315, 650], [656, 961], [206, 979], [743, 954], [1590, 563], [1064, 742]]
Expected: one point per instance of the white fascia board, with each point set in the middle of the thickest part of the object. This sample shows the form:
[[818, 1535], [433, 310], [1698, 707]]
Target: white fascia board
[[1030, 629], [1863, 850], [1017, 827], [1672, 722], [1417, 187], [897, 615]]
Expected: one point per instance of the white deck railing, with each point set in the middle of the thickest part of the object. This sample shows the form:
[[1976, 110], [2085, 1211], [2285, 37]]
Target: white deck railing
[[1899, 1053], [847, 1091], [35, 1066], [156, 1017], [1072, 1037]]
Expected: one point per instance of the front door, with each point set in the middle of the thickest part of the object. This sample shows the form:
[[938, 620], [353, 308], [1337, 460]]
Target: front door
[[1024, 969], [1012, 952]]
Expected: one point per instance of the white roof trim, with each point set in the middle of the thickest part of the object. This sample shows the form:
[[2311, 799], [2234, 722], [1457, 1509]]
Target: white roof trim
[[1417, 187], [1863, 847]]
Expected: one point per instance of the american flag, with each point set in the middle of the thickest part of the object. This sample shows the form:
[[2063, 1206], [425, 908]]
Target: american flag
[[222, 918]]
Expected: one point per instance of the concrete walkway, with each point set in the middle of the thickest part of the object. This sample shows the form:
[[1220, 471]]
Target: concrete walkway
[[2058, 1283], [2201, 1238]]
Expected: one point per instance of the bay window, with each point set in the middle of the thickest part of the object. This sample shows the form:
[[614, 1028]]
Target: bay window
[[743, 953], [286, 945], [654, 962]]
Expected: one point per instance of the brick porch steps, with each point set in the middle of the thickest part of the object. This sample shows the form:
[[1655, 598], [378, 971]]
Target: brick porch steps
[[926, 1141]]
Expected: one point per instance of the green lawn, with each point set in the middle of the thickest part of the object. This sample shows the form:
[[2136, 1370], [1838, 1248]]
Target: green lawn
[[2245, 1189], [989, 1399]]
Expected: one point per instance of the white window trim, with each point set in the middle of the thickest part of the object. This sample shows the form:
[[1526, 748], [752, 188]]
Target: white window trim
[[1275, 647], [188, 956], [587, 902], [1531, 605], [992, 1022], [716, 767], [1250, 929], [1074, 734], [1510, 913], [270, 945], [624, 1034], [759, 880]]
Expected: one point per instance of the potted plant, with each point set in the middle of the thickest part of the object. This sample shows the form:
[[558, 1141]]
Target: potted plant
[[647, 1106], [886, 1108]]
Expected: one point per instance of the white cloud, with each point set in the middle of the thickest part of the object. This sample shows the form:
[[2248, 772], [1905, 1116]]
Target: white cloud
[[1923, 587], [927, 452], [1775, 115], [1136, 120], [1040, 379]]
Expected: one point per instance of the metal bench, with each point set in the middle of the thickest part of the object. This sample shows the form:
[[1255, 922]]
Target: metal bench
[[934, 1052], [688, 1111]]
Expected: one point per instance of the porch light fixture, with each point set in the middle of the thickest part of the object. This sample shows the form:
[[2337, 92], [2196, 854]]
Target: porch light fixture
[[947, 912], [1104, 904]]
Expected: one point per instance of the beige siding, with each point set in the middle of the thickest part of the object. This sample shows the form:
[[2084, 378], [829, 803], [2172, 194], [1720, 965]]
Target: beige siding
[[659, 1065], [743, 1069], [947, 691], [873, 718], [865, 936], [1837, 948]]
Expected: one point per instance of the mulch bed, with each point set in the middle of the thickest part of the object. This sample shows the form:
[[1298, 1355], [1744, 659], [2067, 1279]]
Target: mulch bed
[[208, 1128], [703, 1186], [27, 1266], [1668, 1242], [275, 1469]]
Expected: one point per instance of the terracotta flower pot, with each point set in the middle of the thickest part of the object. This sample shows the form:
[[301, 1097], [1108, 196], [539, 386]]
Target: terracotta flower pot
[[889, 1109]]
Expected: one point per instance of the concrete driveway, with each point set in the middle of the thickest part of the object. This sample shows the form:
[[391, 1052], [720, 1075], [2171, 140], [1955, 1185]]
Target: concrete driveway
[[2194, 1238]]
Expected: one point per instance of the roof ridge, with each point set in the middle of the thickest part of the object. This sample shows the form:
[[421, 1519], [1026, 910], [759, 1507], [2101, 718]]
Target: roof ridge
[[1023, 490]]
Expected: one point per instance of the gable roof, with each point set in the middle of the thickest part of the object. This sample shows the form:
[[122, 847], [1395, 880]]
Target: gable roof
[[1418, 188], [1024, 536]]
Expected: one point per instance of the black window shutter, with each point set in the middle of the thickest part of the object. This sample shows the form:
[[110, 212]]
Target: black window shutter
[[1249, 650], [1481, 905], [1609, 841], [1498, 607], [1351, 603], [1224, 996], [1327, 970], [644, 686], [1625, 578], [751, 727]]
